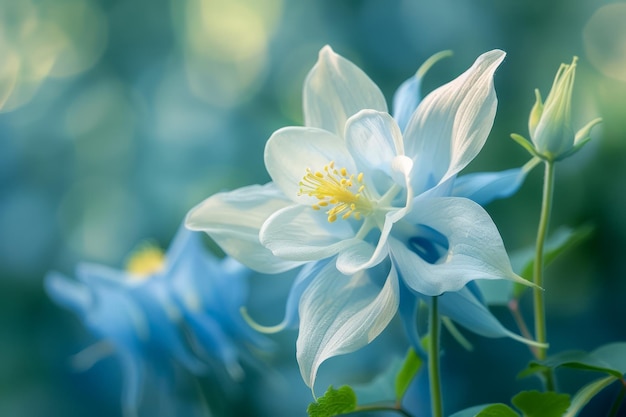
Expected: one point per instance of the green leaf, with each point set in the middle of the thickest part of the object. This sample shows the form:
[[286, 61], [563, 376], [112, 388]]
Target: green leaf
[[497, 410], [333, 403], [586, 393], [541, 404], [412, 364], [610, 359], [487, 410]]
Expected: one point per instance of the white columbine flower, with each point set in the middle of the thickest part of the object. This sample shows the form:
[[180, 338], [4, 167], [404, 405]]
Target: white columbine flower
[[375, 198]]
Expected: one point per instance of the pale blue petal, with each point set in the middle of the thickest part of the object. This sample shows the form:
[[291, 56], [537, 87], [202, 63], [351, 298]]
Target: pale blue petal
[[474, 247], [484, 187], [340, 314], [163, 317], [300, 284], [451, 124], [405, 100], [408, 95], [467, 310], [133, 371], [299, 233], [68, 293], [233, 219], [334, 90], [212, 337], [408, 309], [291, 150]]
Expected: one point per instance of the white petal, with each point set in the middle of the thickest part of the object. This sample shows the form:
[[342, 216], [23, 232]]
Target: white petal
[[234, 219], [365, 255], [291, 150], [299, 233], [335, 89], [476, 250], [451, 125], [340, 314], [373, 139]]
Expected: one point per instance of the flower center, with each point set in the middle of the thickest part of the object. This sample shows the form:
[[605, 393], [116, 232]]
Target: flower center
[[335, 188], [146, 260]]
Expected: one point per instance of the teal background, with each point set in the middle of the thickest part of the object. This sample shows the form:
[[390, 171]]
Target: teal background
[[118, 116]]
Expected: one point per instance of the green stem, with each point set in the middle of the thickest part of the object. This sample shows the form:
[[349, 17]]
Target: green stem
[[433, 359], [538, 292]]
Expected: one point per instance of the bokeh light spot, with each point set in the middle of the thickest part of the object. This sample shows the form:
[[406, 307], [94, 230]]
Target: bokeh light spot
[[604, 38]]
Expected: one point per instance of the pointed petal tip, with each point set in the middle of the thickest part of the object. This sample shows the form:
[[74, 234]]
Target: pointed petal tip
[[326, 50]]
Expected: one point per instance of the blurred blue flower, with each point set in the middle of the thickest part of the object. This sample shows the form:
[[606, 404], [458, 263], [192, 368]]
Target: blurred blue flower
[[164, 310], [376, 194]]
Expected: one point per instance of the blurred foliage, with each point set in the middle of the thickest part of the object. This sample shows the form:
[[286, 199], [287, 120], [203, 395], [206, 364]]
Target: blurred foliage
[[117, 116]]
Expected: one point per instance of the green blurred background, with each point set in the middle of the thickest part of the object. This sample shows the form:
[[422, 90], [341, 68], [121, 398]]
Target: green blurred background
[[118, 116]]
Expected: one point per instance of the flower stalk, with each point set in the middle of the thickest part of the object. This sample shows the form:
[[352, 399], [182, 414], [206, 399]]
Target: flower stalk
[[538, 292], [434, 376]]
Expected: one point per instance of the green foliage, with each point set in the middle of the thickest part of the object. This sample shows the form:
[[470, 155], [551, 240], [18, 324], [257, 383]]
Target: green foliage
[[497, 410], [541, 404], [610, 359], [333, 403], [412, 364]]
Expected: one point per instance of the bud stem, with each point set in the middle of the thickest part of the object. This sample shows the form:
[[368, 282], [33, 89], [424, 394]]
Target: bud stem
[[538, 292]]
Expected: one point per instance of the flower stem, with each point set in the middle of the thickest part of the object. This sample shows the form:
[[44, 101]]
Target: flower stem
[[433, 359], [538, 293]]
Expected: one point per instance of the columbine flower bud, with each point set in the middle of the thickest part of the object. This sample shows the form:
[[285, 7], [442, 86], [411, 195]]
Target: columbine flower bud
[[549, 123]]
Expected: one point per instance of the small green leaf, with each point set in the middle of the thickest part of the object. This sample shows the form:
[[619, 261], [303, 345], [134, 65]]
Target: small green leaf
[[412, 364], [541, 404], [497, 410], [610, 359], [333, 403]]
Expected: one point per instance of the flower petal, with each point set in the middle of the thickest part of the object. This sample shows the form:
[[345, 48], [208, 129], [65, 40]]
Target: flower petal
[[233, 219], [363, 255], [466, 309], [484, 187], [408, 95], [291, 150], [69, 293], [335, 89], [134, 369], [451, 124], [374, 140], [340, 314], [299, 233], [475, 248]]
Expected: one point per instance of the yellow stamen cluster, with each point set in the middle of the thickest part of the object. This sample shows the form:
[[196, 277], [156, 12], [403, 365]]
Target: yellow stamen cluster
[[146, 260], [336, 187]]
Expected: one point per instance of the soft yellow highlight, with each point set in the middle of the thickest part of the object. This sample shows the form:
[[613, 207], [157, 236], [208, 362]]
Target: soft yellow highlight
[[336, 188], [148, 259]]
